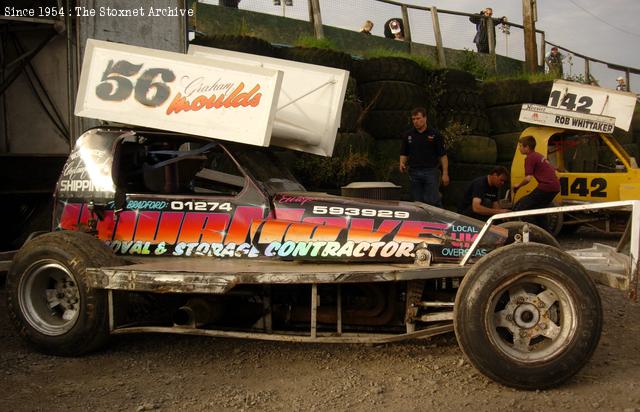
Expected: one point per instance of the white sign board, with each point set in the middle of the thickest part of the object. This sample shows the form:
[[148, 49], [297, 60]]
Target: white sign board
[[582, 98], [176, 92], [565, 119], [310, 102]]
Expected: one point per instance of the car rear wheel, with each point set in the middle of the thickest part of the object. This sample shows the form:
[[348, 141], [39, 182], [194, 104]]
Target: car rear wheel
[[49, 301]]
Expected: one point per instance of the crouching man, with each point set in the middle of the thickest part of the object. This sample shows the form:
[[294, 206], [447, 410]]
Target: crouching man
[[481, 197]]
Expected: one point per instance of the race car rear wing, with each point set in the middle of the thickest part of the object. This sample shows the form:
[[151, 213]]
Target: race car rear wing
[[223, 95], [310, 102], [579, 106]]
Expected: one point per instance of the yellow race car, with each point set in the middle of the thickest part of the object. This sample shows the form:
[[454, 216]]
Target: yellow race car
[[592, 167]]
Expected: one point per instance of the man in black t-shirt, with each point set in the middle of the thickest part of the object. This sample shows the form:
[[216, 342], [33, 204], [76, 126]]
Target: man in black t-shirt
[[421, 152], [481, 198]]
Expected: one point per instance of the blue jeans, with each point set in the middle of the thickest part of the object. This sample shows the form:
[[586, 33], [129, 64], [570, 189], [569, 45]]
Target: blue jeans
[[425, 186]]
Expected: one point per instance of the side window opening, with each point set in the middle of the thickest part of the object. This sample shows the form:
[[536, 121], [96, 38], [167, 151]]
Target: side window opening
[[575, 153], [219, 175], [175, 166]]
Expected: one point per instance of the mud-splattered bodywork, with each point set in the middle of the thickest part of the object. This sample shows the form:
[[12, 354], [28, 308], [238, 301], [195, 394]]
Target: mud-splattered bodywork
[[157, 194]]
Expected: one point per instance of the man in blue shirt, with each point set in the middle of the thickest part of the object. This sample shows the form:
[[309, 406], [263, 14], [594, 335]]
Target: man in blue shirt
[[421, 152]]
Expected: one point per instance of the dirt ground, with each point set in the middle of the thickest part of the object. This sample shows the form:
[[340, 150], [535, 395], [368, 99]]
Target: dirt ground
[[163, 372]]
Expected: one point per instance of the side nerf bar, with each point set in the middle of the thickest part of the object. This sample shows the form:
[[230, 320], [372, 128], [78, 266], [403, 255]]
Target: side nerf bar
[[633, 231]]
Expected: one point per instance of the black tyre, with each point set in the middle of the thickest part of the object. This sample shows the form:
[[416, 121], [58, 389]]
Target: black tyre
[[506, 145], [390, 68], [48, 299], [461, 99], [476, 120], [555, 221], [505, 92], [536, 233], [569, 229], [314, 55], [387, 124], [393, 95], [244, 44], [446, 78], [350, 116], [540, 92], [505, 119], [474, 149], [351, 143], [468, 171], [528, 316]]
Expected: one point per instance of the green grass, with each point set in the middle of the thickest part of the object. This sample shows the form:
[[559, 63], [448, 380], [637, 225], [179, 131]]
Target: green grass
[[530, 77], [311, 41], [472, 62], [424, 61]]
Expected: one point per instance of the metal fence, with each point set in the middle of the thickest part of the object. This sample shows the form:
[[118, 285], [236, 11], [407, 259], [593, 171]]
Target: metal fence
[[455, 30]]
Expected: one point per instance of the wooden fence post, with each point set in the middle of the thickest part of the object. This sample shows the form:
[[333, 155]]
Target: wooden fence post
[[405, 21], [628, 79], [317, 19], [587, 73], [542, 50], [491, 34], [438, 35]]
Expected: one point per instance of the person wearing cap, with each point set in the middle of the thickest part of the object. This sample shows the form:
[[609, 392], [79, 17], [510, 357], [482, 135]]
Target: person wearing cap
[[481, 38], [554, 62], [622, 86], [394, 29]]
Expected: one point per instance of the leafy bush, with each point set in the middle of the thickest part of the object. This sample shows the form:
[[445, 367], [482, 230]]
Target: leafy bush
[[317, 172], [579, 78], [453, 134], [473, 63]]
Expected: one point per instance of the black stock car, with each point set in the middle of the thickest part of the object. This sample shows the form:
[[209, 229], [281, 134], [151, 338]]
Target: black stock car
[[158, 232]]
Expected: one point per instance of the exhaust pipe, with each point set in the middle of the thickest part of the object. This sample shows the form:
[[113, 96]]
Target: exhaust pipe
[[196, 313]]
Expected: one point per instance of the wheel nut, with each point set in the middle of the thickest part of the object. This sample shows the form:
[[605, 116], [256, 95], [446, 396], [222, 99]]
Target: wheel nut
[[509, 317], [523, 334], [520, 299], [541, 304]]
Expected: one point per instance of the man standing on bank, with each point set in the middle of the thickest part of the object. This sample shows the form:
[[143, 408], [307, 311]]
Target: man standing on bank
[[481, 198], [421, 151], [481, 38], [538, 167]]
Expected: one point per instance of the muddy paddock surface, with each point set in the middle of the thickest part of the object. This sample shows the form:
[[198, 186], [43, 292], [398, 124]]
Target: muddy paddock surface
[[170, 373]]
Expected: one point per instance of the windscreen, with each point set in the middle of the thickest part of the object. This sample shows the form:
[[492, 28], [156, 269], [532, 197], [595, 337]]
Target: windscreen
[[268, 169]]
